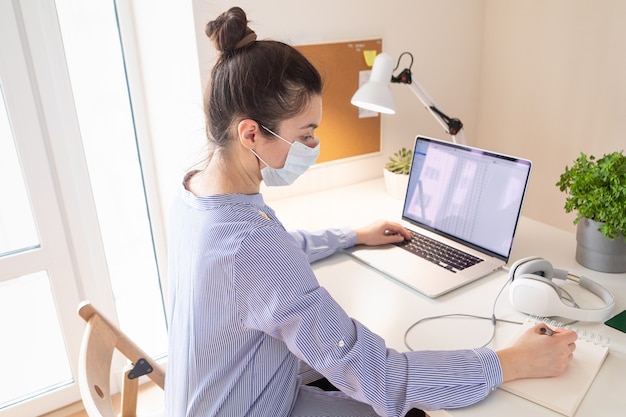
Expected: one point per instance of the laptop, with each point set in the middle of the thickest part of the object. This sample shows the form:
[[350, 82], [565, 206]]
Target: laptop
[[467, 199]]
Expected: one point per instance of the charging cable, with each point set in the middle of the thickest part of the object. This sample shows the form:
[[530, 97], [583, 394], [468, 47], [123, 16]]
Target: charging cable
[[493, 318]]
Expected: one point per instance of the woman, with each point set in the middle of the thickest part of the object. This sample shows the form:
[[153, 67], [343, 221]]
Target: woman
[[246, 311]]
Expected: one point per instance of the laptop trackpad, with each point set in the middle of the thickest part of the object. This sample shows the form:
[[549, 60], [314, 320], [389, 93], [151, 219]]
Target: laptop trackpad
[[425, 277]]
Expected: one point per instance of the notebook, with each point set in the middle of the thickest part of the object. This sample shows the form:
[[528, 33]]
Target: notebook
[[564, 393], [467, 198]]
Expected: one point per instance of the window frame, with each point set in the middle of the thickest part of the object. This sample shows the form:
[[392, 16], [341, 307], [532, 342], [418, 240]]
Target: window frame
[[48, 141]]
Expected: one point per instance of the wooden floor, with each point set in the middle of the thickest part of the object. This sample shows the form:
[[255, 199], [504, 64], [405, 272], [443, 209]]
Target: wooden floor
[[149, 403]]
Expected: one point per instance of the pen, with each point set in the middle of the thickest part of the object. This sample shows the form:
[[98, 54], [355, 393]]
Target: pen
[[546, 331]]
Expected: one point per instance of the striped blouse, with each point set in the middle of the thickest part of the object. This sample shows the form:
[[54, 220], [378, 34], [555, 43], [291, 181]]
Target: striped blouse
[[245, 311]]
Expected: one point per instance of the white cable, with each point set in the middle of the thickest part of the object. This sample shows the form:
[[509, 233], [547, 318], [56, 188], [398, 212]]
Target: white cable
[[493, 318]]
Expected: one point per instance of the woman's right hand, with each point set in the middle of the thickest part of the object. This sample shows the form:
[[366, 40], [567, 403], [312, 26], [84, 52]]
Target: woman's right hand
[[537, 355]]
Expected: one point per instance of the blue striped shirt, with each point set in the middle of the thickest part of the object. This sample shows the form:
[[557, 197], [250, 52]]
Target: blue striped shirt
[[245, 311]]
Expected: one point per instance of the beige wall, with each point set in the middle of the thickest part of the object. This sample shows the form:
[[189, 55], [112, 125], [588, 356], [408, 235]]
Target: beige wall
[[443, 35], [553, 84], [538, 79]]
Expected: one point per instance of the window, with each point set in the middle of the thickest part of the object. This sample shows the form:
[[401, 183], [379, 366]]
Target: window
[[38, 330], [97, 69], [41, 345], [38, 286], [17, 226], [73, 191]]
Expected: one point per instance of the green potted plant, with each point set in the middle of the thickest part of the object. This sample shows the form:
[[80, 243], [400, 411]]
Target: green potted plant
[[396, 173], [596, 190]]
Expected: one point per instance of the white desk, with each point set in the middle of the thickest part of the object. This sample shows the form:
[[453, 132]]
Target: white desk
[[389, 308]]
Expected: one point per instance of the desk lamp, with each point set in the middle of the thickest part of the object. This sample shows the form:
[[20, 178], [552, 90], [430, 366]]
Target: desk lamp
[[376, 95]]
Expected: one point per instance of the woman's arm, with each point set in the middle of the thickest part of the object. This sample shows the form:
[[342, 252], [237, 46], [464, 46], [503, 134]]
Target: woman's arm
[[535, 355], [381, 232], [322, 243]]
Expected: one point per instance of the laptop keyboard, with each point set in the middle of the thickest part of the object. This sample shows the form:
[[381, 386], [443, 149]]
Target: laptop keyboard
[[439, 253]]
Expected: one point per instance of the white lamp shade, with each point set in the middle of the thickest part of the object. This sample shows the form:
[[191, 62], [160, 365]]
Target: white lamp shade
[[376, 95]]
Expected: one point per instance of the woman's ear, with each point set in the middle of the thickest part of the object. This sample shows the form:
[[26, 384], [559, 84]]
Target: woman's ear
[[248, 131]]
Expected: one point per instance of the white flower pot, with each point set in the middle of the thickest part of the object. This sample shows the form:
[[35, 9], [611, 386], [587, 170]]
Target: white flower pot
[[396, 184]]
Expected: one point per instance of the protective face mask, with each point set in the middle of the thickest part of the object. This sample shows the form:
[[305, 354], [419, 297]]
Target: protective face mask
[[299, 158]]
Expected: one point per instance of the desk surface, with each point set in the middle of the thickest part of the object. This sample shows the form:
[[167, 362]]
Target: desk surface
[[390, 308]]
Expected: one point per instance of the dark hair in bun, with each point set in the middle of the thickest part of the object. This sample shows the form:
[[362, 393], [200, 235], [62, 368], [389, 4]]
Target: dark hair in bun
[[267, 81], [230, 31]]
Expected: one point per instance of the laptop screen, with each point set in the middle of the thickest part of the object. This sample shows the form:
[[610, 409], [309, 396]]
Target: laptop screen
[[467, 194]]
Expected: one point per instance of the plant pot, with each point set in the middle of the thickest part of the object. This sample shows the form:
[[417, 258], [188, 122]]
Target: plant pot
[[396, 184], [595, 251]]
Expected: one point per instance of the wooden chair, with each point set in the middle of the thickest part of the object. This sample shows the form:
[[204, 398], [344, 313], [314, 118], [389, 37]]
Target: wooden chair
[[100, 340]]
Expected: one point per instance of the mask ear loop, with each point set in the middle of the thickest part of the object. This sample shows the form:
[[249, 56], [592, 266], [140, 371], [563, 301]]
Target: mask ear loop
[[259, 158], [252, 150], [275, 134]]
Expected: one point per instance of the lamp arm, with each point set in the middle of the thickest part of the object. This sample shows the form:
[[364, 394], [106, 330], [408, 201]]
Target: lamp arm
[[452, 126]]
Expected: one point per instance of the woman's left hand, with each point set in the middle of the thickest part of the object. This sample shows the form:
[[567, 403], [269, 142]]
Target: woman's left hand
[[381, 232]]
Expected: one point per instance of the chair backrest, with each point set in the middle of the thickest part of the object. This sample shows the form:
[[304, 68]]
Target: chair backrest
[[100, 340]]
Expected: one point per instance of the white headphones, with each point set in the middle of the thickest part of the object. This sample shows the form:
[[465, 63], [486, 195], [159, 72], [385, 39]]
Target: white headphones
[[533, 292]]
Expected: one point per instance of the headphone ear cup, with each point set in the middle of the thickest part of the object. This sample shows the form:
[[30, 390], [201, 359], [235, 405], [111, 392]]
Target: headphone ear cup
[[534, 294], [537, 266]]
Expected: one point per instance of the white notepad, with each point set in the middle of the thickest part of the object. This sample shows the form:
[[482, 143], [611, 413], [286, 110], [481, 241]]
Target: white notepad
[[565, 392]]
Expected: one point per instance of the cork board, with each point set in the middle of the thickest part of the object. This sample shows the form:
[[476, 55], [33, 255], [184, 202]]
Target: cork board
[[342, 132]]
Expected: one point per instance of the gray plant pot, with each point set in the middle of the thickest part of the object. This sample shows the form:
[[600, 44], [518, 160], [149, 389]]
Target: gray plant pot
[[595, 251]]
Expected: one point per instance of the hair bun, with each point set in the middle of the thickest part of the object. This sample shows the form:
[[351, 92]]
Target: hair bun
[[230, 31], [248, 39]]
